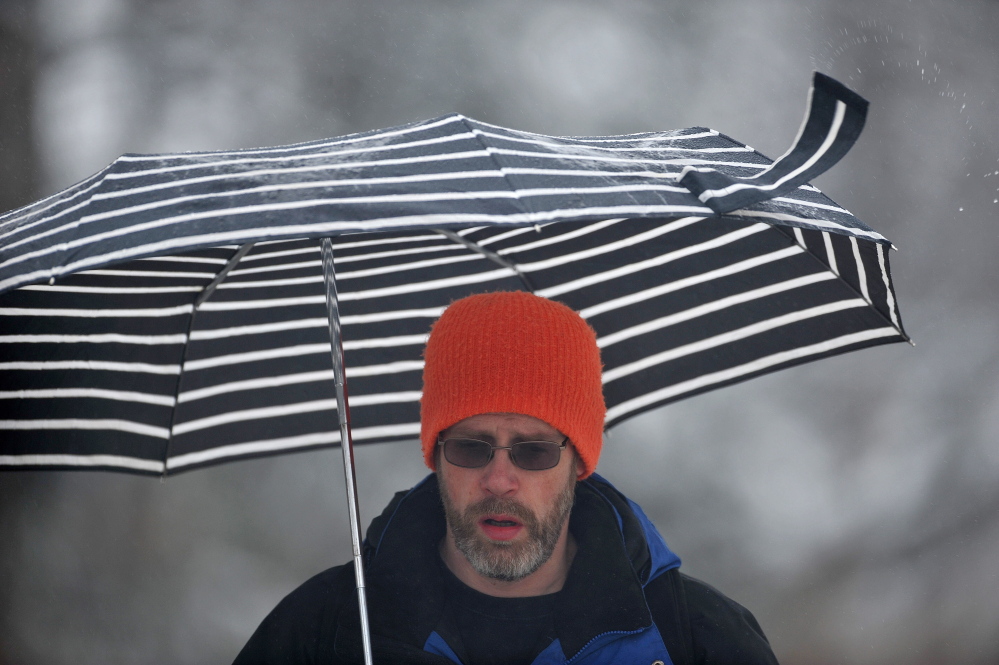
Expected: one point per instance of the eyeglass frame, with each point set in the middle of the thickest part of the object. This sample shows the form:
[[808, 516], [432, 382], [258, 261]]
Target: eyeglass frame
[[492, 451]]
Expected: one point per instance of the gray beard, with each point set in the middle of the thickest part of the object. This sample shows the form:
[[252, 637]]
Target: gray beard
[[502, 560]]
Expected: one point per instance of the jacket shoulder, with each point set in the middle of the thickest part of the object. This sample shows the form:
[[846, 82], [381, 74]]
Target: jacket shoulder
[[297, 629], [722, 630]]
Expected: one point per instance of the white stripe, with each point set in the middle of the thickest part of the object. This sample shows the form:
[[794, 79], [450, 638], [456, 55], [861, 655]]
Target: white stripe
[[810, 204], [259, 329], [807, 221], [884, 277], [99, 313], [97, 365], [253, 448], [651, 263], [507, 234], [384, 342], [830, 253], [291, 442], [101, 338], [428, 285], [269, 283], [861, 272], [676, 285], [383, 241], [274, 255], [254, 384], [396, 367], [429, 313], [82, 461], [60, 288], [338, 260], [276, 268], [415, 265], [588, 159], [586, 230], [562, 146], [587, 173], [253, 356], [630, 241], [831, 135], [742, 370], [94, 393], [799, 236], [212, 306], [185, 259], [708, 308], [81, 423], [728, 337], [254, 414], [152, 273]]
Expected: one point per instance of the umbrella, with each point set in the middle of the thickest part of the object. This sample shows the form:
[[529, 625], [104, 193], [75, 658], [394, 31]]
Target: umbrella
[[174, 311]]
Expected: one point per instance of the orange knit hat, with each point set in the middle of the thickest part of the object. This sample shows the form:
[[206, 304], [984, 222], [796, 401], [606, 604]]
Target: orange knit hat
[[514, 352]]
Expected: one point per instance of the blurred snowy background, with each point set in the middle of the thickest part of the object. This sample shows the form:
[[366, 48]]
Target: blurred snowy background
[[852, 504]]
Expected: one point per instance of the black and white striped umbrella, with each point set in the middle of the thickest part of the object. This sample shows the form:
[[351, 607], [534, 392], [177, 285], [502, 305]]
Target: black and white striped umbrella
[[170, 312]]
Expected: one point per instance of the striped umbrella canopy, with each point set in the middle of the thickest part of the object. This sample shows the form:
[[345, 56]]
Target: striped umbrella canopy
[[171, 311]]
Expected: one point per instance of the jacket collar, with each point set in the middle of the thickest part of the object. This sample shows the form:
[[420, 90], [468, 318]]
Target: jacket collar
[[603, 592]]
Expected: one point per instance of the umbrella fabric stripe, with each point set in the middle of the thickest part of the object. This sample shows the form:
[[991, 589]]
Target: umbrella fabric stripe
[[186, 259], [710, 307], [80, 423], [300, 442], [82, 461], [114, 289], [662, 289], [270, 354], [99, 313], [103, 365], [292, 443], [120, 395], [564, 288], [611, 247], [719, 340], [889, 297], [861, 273], [105, 338], [259, 329], [592, 228], [618, 411], [253, 384]]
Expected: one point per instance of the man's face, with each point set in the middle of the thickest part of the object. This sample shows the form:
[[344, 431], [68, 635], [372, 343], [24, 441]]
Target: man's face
[[504, 519]]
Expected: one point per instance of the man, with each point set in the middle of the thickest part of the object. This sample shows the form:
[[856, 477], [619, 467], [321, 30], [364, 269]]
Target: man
[[513, 551]]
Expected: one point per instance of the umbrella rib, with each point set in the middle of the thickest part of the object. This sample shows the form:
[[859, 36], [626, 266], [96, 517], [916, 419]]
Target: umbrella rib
[[492, 256], [202, 297]]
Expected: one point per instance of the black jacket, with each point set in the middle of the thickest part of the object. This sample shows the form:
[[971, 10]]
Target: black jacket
[[624, 599]]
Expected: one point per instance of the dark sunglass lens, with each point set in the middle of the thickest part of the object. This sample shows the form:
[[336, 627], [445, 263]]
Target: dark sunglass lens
[[536, 455], [468, 453]]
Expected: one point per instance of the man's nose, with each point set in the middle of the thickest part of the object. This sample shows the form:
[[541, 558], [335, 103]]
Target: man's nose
[[501, 474]]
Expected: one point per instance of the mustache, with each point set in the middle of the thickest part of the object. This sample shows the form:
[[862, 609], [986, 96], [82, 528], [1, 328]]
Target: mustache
[[494, 505]]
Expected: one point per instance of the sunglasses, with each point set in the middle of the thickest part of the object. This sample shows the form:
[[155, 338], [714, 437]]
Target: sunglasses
[[528, 455]]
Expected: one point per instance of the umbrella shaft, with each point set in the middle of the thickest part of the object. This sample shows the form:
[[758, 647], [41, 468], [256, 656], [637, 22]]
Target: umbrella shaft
[[346, 442]]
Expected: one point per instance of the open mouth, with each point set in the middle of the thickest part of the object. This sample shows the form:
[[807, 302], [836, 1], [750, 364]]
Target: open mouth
[[500, 527]]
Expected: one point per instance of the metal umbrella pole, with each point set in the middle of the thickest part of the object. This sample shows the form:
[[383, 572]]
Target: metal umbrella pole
[[346, 442]]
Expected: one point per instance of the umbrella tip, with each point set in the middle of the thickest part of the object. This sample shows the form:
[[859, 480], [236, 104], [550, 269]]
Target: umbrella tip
[[911, 342], [892, 246]]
